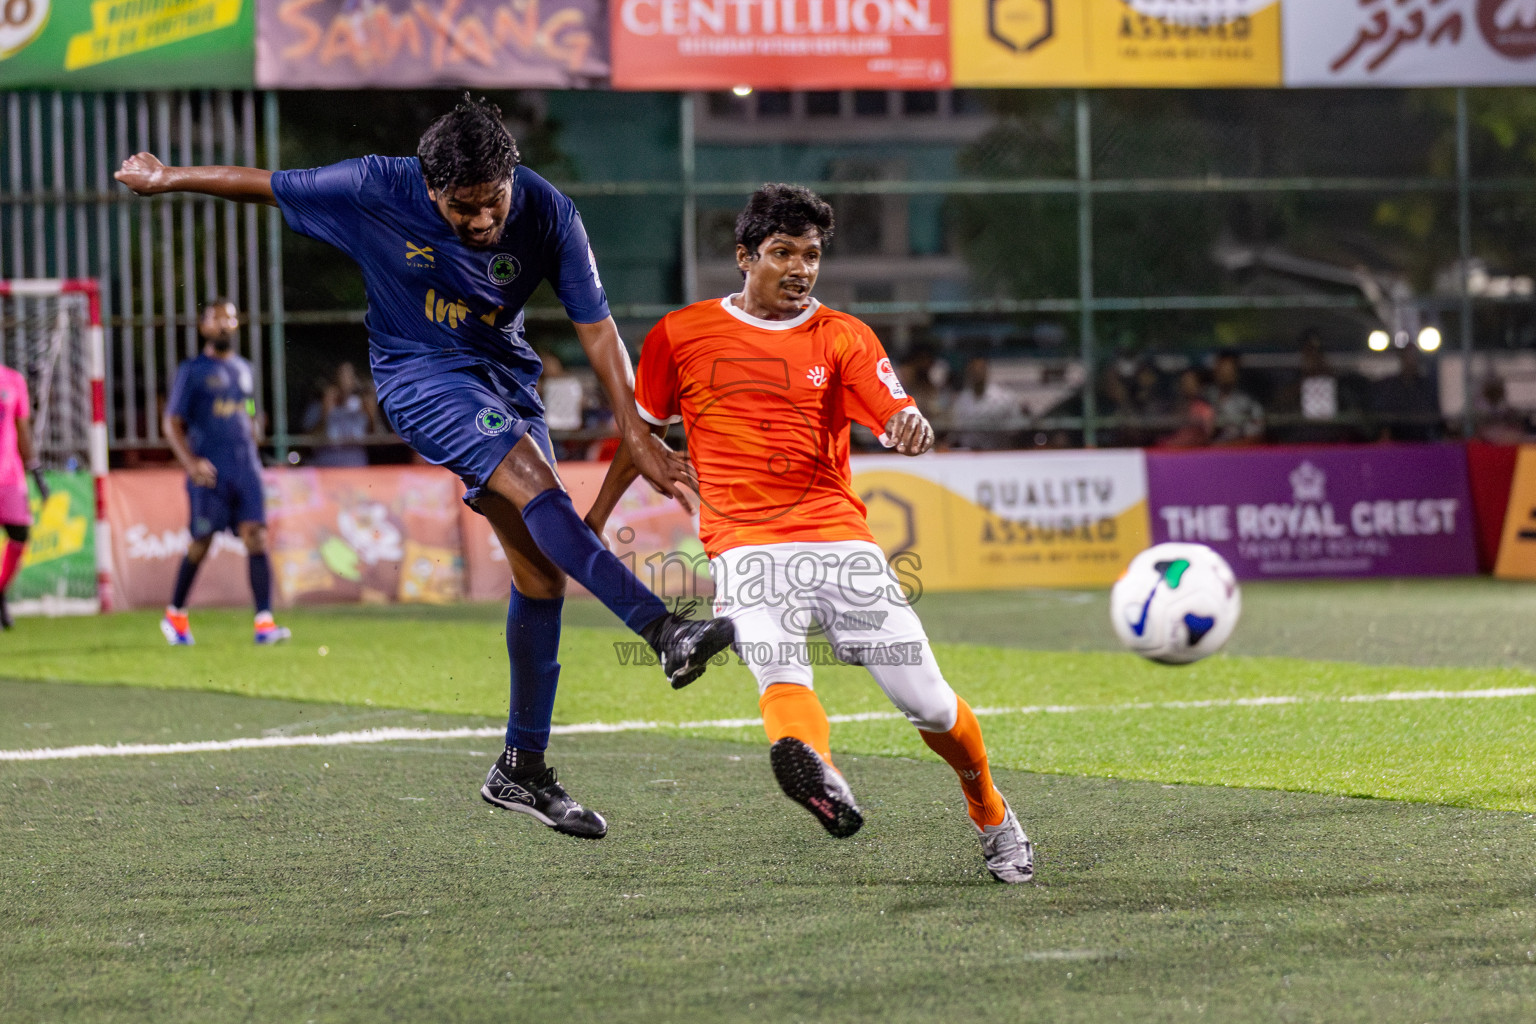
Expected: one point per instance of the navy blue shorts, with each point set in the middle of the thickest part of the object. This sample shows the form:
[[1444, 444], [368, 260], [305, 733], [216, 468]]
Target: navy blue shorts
[[467, 420], [236, 497]]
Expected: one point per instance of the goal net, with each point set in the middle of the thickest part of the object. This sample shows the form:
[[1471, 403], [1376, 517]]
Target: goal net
[[50, 331]]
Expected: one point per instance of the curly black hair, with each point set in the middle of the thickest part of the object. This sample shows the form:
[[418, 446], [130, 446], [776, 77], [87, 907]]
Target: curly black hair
[[780, 209], [469, 145]]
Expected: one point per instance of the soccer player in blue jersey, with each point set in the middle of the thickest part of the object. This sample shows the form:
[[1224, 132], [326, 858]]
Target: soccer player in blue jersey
[[451, 244], [210, 422]]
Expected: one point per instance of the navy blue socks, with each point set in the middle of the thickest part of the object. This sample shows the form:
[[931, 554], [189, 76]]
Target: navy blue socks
[[261, 582], [184, 577], [533, 645], [570, 543]]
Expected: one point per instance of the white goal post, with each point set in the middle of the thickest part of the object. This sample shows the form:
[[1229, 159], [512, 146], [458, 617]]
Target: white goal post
[[51, 332]]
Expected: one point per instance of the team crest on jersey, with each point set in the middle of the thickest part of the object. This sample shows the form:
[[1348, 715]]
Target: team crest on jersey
[[419, 252], [491, 422], [817, 375], [888, 377], [504, 268]]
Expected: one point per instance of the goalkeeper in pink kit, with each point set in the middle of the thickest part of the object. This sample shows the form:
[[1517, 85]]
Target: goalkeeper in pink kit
[[17, 455]]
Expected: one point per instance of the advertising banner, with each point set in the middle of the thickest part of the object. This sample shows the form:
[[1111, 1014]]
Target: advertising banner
[[58, 570], [1117, 43], [1410, 42], [650, 534], [378, 534], [148, 512], [1339, 512], [407, 44], [985, 521], [791, 44], [126, 44], [1517, 550]]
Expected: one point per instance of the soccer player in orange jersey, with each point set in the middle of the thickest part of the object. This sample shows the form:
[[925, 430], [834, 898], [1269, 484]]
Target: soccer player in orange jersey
[[765, 382]]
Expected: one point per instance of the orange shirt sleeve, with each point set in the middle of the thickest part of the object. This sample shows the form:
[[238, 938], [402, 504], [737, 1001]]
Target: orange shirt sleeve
[[871, 391], [656, 396]]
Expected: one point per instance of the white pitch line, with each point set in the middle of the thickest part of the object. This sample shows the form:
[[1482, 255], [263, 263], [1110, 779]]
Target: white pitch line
[[390, 734]]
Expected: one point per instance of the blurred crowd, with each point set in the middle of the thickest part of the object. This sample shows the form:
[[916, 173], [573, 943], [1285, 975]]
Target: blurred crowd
[[1215, 401], [1139, 402]]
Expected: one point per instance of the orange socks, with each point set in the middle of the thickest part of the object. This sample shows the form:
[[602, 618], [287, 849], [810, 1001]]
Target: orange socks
[[790, 709], [967, 755]]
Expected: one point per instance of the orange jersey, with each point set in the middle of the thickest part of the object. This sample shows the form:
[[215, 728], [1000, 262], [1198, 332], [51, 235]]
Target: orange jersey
[[766, 405]]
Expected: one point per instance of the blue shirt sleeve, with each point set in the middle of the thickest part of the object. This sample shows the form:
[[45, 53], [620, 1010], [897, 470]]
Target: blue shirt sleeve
[[322, 202], [179, 403], [574, 275]]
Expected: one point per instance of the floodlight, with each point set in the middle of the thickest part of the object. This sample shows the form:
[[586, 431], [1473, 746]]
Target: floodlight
[[1378, 341], [742, 90], [1429, 339]]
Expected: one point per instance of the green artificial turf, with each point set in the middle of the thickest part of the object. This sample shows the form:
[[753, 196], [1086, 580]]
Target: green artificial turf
[[371, 884], [1474, 753]]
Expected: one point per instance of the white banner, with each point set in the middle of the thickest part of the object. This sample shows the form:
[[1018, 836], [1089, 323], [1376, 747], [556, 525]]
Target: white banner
[[1409, 42]]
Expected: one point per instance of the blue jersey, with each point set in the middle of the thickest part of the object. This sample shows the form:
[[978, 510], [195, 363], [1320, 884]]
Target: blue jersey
[[434, 303], [212, 396]]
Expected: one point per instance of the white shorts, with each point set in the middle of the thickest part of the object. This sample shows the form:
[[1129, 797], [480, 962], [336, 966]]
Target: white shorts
[[782, 597]]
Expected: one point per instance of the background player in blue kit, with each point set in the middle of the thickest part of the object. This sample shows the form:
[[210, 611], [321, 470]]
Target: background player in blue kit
[[211, 425], [451, 244]]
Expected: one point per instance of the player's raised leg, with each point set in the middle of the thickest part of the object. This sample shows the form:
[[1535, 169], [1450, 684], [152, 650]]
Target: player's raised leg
[[800, 755], [770, 638], [520, 780], [526, 482]]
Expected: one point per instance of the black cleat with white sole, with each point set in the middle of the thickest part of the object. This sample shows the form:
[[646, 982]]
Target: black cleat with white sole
[[815, 785], [543, 799], [686, 645]]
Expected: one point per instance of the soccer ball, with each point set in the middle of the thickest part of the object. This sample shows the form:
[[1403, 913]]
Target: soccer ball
[[1176, 603]]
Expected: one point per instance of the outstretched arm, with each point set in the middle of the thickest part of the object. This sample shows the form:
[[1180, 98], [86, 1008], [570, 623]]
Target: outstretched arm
[[145, 175], [622, 472], [667, 471]]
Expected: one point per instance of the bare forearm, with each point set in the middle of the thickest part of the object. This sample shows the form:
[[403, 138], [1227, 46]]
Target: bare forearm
[[610, 362], [147, 176], [176, 436], [241, 184], [622, 472]]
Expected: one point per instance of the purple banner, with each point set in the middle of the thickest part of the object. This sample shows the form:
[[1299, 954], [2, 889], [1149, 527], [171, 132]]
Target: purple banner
[[406, 44], [1395, 510]]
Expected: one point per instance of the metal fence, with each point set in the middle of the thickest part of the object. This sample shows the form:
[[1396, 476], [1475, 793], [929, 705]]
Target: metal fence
[[62, 215], [157, 260]]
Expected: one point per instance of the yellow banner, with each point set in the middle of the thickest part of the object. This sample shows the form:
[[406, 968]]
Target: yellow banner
[[123, 27], [1174, 43], [1517, 548], [999, 521]]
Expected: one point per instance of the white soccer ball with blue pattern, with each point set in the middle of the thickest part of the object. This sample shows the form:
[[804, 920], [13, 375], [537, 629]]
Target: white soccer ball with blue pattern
[[1176, 603]]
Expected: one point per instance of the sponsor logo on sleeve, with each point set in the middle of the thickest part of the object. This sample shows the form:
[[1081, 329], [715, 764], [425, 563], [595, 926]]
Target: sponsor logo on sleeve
[[888, 377]]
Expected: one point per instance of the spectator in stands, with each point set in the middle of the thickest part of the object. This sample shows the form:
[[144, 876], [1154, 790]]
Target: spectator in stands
[[1147, 406], [923, 375], [1197, 420], [1239, 416], [1498, 422], [984, 416], [1406, 407], [1318, 398], [346, 413]]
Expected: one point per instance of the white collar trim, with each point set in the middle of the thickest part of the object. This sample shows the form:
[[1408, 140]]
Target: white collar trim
[[769, 325]]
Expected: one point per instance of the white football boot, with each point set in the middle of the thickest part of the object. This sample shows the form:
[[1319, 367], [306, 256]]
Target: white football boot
[[1009, 854]]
